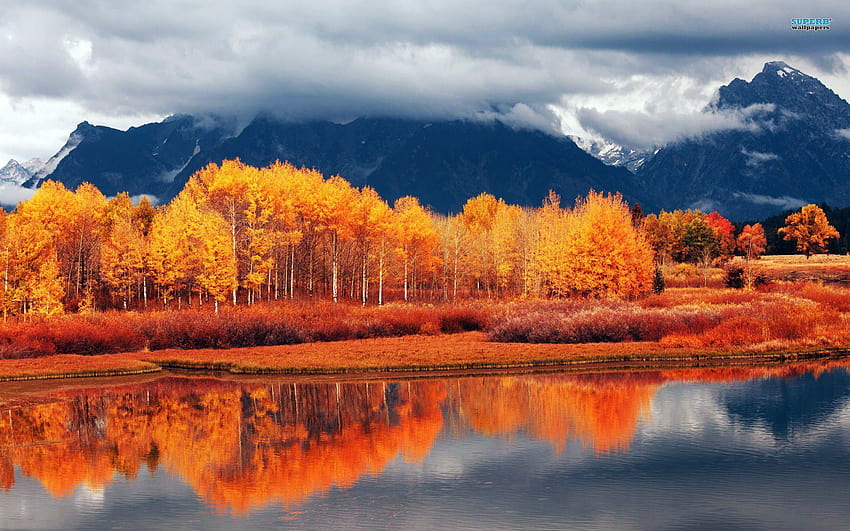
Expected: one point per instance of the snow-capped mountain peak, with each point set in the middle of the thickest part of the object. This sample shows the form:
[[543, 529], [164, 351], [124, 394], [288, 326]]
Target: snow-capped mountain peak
[[18, 173]]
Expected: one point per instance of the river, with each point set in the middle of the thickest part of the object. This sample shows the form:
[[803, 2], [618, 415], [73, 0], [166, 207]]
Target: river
[[755, 448]]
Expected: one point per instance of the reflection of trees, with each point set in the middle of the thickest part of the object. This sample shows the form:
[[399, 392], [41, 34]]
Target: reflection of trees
[[244, 445], [601, 410], [240, 446]]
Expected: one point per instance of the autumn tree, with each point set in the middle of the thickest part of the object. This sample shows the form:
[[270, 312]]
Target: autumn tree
[[32, 281], [552, 250], [224, 189], [217, 272], [333, 217], [479, 216], [667, 234], [810, 228], [416, 240], [606, 255], [191, 250], [724, 234], [454, 237], [371, 227], [124, 253], [752, 242]]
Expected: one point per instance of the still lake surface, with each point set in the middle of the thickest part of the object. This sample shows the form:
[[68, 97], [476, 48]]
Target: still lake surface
[[755, 448]]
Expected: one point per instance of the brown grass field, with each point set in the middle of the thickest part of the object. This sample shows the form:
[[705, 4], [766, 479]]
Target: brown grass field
[[411, 354], [822, 267], [685, 326]]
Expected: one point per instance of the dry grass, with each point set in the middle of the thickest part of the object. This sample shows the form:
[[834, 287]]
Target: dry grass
[[681, 324], [72, 366], [267, 324], [464, 351], [823, 267], [460, 351], [783, 316]]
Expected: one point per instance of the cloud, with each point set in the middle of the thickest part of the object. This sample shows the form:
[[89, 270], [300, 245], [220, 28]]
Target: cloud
[[522, 116], [786, 202], [645, 130], [154, 200], [127, 61], [757, 158], [843, 133], [12, 194], [368, 57]]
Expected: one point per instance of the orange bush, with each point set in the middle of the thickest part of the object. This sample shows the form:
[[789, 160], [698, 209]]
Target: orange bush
[[258, 325]]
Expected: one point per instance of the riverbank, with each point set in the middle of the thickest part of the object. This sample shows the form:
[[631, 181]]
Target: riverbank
[[689, 326], [470, 351]]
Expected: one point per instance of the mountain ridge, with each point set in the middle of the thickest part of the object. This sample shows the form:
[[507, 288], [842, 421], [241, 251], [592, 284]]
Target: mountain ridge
[[791, 147], [790, 151]]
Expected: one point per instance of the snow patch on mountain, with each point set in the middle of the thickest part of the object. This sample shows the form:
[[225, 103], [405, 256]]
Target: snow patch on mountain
[[613, 154]]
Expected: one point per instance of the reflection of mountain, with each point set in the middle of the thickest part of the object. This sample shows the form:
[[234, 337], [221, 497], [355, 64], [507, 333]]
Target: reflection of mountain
[[789, 407], [242, 446]]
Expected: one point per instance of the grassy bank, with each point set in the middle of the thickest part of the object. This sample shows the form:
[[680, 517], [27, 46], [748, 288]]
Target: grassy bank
[[412, 354], [73, 366]]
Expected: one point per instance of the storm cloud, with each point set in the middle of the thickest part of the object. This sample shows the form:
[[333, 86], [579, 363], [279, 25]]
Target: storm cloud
[[341, 59]]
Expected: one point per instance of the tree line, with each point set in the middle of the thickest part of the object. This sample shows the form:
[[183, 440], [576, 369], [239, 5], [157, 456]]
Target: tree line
[[238, 234]]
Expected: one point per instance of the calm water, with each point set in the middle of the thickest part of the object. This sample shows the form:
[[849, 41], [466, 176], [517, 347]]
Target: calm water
[[726, 448]]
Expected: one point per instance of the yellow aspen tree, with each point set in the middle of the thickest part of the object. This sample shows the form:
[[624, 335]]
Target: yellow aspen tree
[[124, 251], [479, 216], [305, 188], [173, 254], [608, 256], [551, 249], [225, 189], [88, 231], [45, 289], [371, 222], [333, 218], [528, 235], [259, 233], [217, 274], [283, 184], [417, 239], [506, 252], [53, 208], [32, 273]]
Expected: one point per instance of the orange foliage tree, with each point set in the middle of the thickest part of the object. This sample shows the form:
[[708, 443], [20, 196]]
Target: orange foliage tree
[[752, 241], [810, 228]]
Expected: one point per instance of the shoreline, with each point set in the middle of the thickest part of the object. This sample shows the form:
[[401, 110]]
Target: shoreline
[[420, 356]]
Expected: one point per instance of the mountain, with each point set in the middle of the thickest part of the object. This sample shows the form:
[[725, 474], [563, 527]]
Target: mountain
[[142, 159], [441, 162], [18, 173], [792, 147]]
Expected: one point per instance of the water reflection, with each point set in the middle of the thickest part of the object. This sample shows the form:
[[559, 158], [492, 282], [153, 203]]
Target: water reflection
[[242, 446]]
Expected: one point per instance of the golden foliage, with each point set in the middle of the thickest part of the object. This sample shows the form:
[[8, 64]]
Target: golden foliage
[[810, 228]]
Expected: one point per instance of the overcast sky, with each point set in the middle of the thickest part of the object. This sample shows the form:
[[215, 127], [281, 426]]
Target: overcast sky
[[633, 70]]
